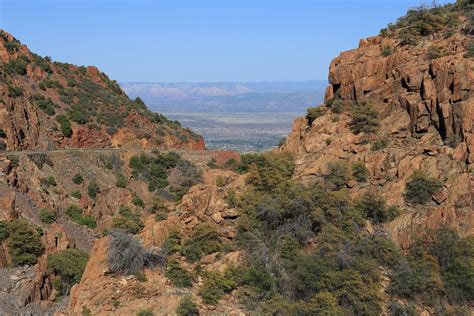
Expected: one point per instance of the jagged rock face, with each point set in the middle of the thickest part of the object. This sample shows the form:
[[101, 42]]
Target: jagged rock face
[[424, 105], [434, 92], [35, 92]]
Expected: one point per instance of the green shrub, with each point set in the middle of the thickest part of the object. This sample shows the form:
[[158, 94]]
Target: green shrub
[[145, 312], [178, 276], [153, 169], [138, 202], [267, 171], [470, 50], [93, 189], [140, 276], [434, 52], [216, 285], [421, 187], [231, 163], [161, 216], [69, 264], [364, 118], [337, 106], [338, 175], [212, 164], [3, 230], [86, 311], [360, 172], [203, 241], [121, 181], [455, 256], [379, 144], [24, 243], [172, 243], [387, 51], [76, 194], [78, 114], [14, 161], [418, 279], [17, 66], [187, 307], [15, 91], [373, 207], [75, 213], [47, 216], [313, 113], [78, 179], [12, 46], [65, 125], [48, 182], [220, 181], [128, 221], [47, 105]]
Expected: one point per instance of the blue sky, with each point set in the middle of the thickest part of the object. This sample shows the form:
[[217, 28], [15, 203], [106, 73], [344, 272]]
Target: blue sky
[[199, 40]]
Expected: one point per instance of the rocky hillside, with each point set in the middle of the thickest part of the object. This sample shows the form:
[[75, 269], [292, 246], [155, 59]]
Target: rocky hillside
[[367, 209], [401, 102], [46, 104]]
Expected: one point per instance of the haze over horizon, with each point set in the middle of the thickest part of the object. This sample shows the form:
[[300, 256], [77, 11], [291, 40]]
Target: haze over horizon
[[205, 41]]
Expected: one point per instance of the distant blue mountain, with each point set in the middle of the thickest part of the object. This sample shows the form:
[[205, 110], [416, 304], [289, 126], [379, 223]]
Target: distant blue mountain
[[266, 96]]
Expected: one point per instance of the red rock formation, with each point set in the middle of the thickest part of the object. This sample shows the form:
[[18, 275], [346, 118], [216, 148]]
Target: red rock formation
[[426, 108]]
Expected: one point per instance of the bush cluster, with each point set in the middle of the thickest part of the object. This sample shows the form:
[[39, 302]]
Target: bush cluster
[[45, 104], [64, 125], [178, 276], [313, 113], [75, 213], [364, 118], [128, 221], [203, 241], [360, 172], [47, 216], [424, 21], [187, 307], [421, 187]]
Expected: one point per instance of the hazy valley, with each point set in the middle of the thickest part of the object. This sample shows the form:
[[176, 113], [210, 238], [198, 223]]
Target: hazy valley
[[239, 116]]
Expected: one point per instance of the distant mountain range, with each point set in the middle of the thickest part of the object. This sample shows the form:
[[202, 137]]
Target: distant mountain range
[[289, 96]]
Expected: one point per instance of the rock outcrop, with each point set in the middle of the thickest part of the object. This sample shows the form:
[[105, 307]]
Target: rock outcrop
[[426, 110]]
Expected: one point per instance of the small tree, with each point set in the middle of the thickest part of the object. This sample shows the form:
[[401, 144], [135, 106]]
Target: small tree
[[93, 189], [78, 179], [360, 172], [338, 175], [421, 187], [47, 216], [374, 207], [24, 243], [178, 276], [69, 264], [187, 307], [121, 181], [364, 118], [313, 113]]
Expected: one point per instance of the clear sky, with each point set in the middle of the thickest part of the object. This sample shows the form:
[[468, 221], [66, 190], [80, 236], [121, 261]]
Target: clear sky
[[199, 40]]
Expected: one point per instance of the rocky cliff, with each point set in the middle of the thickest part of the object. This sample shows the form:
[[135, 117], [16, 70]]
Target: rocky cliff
[[423, 97], [47, 105]]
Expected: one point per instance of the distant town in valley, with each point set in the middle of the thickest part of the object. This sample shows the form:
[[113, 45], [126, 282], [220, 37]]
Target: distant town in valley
[[242, 116]]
